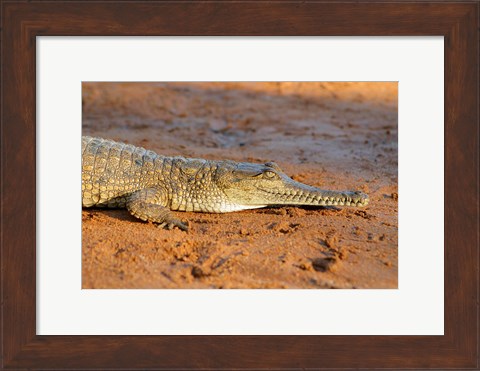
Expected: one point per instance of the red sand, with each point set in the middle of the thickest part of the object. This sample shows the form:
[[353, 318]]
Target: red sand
[[330, 135]]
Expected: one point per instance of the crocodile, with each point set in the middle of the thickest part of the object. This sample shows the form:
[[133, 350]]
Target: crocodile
[[150, 186]]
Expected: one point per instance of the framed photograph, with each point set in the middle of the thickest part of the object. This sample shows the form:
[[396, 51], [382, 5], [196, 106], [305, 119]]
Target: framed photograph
[[236, 161]]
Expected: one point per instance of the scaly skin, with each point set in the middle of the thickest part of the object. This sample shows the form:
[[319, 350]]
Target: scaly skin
[[150, 185]]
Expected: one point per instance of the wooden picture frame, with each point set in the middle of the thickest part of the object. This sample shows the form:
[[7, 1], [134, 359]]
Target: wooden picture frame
[[23, 21]]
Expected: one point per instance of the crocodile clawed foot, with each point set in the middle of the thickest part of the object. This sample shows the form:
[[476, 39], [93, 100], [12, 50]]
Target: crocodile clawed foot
[[170, 224]]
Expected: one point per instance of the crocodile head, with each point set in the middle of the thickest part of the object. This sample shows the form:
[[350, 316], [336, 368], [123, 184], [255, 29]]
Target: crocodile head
[[249, 185]]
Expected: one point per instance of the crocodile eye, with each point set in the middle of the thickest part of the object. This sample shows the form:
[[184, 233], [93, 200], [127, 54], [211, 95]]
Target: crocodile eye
[[269, 174]]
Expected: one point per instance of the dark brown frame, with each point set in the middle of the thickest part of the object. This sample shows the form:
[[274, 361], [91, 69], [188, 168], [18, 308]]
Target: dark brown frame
[[22, 21]]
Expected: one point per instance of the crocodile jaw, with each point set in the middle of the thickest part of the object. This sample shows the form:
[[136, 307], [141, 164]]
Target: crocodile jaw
[[348, 198], [301, 194]]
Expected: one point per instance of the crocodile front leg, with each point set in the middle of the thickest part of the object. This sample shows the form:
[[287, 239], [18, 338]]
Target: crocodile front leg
[[148, 204]]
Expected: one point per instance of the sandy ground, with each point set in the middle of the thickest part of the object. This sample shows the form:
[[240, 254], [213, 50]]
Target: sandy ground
[[331, 135]]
